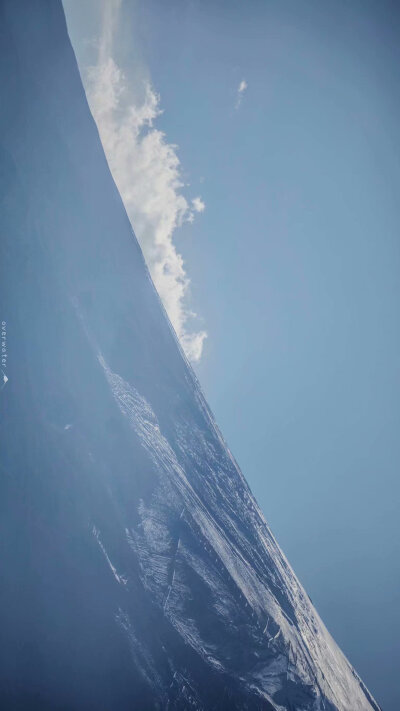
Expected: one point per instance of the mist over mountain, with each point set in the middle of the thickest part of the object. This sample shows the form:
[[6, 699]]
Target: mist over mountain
[[137, 569]]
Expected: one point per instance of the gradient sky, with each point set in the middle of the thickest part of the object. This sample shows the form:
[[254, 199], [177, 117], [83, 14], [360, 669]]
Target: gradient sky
[[294, 268]]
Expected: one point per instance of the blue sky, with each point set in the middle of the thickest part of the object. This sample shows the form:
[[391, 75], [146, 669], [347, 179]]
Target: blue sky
[[292, 250]]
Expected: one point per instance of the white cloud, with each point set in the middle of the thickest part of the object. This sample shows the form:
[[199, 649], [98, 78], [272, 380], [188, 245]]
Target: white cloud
[[240, 91], [198, 204], [146, 169]]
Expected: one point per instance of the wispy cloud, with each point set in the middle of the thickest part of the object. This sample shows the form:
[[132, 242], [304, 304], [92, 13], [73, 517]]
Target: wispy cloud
[[147, 171], [198, 204], [240, 91]]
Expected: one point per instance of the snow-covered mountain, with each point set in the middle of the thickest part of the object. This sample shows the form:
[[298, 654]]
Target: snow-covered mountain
[[137, 569]]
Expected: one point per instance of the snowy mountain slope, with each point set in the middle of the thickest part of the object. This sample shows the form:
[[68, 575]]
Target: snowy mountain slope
[[138, 571]]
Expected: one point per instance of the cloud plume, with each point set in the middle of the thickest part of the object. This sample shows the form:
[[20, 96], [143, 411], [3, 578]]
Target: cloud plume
[[240, 91], [147, 171]]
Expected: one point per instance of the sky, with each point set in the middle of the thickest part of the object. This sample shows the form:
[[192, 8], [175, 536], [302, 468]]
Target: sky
[[256, 148]]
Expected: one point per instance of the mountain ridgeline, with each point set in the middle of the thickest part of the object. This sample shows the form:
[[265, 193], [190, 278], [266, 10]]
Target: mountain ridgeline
[[138, 572]]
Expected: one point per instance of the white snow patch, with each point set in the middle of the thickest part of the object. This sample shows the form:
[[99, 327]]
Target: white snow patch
[[121, 579]]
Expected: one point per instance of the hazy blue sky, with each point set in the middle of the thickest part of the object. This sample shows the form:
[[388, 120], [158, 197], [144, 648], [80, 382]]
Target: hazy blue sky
[[294, 266]]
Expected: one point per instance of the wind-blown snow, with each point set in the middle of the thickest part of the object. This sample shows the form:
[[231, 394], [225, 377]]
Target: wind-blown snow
[[294, 646]]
